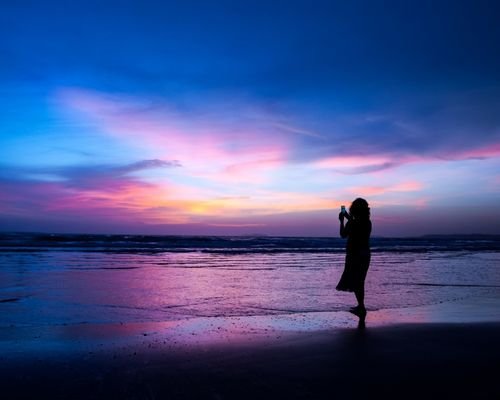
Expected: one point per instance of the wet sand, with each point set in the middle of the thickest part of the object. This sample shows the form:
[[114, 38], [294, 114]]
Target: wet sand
[[448, 350]]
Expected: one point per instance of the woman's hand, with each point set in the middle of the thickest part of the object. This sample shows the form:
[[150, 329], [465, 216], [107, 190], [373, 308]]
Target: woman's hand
[[345, 215]]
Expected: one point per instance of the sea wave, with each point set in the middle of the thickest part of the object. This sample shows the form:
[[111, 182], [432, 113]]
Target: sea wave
[[13, 242]]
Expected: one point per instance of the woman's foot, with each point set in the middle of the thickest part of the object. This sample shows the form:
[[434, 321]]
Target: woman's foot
[[359, 311]]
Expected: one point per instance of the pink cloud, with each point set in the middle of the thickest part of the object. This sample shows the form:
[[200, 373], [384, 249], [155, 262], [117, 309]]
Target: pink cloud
[[254, 171], [339, 162], [356, 164], [208, 146], [230, 144], [125, 199], [360, 164], [491, 151], [409, 186]]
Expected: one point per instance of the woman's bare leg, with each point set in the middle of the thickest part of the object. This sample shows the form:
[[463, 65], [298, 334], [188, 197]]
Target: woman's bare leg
[[360, 297]]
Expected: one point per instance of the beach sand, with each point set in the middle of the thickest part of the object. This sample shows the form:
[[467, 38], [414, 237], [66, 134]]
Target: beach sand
[[448, 350]]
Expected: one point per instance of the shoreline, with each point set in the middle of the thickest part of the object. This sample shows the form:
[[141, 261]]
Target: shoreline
[[445, 349], [412, 360]]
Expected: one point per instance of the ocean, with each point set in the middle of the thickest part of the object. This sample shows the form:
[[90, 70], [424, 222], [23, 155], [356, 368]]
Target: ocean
[[77, 279]]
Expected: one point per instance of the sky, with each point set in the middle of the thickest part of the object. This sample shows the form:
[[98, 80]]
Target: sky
[[249, 117]]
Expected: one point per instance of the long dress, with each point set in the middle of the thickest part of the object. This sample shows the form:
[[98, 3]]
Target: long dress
[[357, 260]]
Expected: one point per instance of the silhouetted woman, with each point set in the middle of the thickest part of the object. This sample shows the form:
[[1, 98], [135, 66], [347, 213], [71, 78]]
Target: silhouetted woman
[[357, 230]]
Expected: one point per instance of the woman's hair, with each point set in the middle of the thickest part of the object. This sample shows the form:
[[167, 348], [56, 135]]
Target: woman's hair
[[359, 208]]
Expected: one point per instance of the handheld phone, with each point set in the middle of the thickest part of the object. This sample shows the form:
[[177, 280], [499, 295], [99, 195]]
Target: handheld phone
[[342, 210]]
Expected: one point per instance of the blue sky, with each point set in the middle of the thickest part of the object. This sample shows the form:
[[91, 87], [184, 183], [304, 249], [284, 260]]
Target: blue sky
[[249, 117]]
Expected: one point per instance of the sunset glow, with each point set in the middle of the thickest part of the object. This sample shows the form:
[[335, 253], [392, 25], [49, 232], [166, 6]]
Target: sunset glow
[[202, 131]]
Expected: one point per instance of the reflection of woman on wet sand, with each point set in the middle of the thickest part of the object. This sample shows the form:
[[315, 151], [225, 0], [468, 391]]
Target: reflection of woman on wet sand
[[357, 230]]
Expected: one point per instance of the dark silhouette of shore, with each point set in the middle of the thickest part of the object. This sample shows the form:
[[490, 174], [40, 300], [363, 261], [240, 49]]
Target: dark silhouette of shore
[[452, 361]]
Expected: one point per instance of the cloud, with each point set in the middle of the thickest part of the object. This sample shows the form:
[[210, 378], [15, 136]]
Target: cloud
[[356, 164], [97, 190], [465, 126], [108, 177], [402, 187], [209, 140], [113, 193], [148, 164], [121, 200], [479, 153], [241, 140], [300, 131], [103, 177]]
